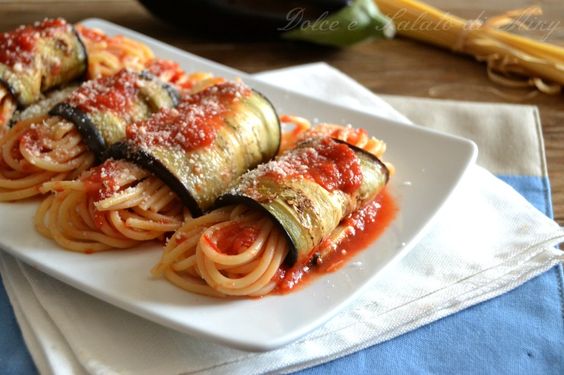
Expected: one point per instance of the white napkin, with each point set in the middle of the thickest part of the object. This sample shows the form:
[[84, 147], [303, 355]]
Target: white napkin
[[68, 331]]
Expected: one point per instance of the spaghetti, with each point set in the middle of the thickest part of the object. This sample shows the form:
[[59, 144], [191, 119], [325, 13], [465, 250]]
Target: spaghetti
[[293, 209], [301, 129], [62, 145], [201, 258], [38, 150], [189, 154], [117, 209], [107, 55], [113, 206], [191, 83]]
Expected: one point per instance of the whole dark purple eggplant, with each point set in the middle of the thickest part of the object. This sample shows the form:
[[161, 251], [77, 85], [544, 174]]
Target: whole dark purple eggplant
[[334, 22]]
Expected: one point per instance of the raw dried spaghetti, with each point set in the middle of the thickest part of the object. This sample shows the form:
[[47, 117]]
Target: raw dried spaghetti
[[512, 60]]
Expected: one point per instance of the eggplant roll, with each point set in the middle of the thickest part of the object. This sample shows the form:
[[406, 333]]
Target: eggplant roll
[[36, 58], [308, 190], [207, 141], [101, 109]]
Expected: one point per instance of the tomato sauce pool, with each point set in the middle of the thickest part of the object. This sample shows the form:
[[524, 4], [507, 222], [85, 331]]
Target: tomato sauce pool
[[368, 223]]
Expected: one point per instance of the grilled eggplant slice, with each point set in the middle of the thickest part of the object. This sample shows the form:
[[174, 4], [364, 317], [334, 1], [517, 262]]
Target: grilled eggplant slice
[[206, 142], [308, 191], [34, 59], [102, 108]]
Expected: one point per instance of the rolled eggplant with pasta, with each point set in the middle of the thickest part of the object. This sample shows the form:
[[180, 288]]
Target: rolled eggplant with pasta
[[102, 109], [171, 166], [77, 131], [40, 64], [291, 211], [201, 147], [37, 58]]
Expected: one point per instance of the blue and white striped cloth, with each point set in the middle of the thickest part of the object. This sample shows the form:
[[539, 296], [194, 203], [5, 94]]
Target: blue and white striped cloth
[[521, 331]]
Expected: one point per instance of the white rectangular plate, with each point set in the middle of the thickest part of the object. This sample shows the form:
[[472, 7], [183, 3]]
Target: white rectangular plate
[[432, 163]]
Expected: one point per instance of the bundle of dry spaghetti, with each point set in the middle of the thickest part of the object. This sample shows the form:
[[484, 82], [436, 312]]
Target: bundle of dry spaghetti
[[512, 60]]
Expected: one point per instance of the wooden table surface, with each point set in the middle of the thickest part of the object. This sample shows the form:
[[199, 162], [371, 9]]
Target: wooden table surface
[[399, 66]]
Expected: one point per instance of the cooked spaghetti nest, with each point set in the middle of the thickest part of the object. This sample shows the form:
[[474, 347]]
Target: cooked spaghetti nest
[[109, 54], [140, 208], [38, 150], [302, 129], [192, 261]]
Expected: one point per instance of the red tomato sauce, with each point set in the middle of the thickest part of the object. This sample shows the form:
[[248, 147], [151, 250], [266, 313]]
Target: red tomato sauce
[[336, 167], [331, 164], [234, 239], [99, 218], [17, 46], [33, 140], [30, 140], [115, 93], [169, 71], [194, 123], [368, 223], [92, 34]]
